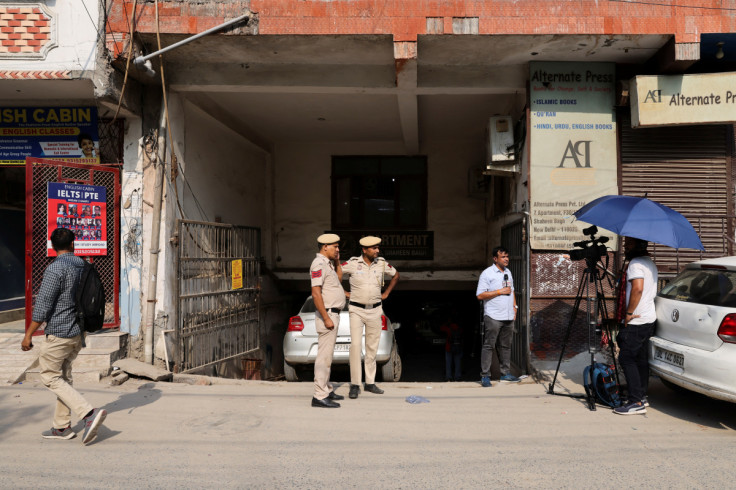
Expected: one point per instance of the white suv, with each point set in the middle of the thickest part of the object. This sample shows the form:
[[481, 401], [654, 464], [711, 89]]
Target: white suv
[[695, 342]]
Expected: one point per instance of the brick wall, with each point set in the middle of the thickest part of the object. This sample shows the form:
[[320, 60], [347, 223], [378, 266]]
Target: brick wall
[[406, 19], [23, 30]]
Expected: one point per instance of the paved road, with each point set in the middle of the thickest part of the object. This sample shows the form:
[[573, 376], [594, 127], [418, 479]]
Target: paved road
[[264, 435]]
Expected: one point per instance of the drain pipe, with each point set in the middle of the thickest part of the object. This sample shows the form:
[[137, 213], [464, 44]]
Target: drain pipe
[[144, 62], [154, 249]]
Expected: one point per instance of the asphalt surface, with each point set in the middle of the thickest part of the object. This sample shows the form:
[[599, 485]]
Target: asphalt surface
[[257, 434]]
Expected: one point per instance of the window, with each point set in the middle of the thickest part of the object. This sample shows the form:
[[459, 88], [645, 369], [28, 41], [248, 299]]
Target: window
[[709, 287], [379, 193]]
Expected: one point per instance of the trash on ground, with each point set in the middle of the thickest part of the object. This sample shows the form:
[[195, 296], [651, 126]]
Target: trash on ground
[[414, 399]]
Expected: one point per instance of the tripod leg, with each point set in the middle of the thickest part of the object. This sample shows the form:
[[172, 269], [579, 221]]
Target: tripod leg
[[573, 316], [591, 392]]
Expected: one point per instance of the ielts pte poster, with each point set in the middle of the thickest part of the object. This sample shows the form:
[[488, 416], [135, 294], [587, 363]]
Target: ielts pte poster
[[81, 209]]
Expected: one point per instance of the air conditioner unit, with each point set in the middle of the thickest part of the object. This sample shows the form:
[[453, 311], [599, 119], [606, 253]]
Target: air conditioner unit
[[500, 140]]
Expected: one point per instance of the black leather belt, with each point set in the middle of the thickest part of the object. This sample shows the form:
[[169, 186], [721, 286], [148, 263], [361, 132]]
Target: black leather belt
[[334, 310], [366, 307]]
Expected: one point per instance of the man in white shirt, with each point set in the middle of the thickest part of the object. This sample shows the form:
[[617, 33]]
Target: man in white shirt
[[641, 318], [496, 290]]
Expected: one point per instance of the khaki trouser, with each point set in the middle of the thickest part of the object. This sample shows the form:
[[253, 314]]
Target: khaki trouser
[[372, 321], [55, 361], [325, 349]]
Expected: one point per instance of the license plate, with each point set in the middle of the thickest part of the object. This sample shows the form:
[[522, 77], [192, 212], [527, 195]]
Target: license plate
[[342, 347], [669, 357]]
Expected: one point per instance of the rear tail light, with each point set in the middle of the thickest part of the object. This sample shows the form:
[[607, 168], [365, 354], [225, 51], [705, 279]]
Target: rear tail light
[[384, 323], [295, 324], [727, 330]]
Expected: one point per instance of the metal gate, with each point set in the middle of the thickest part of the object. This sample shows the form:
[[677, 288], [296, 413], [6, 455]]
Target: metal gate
[[217, 319], [513, 238], [686, 168], [39, 173]]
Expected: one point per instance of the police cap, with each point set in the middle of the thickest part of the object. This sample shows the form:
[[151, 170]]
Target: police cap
[[370, 241], [328, 238]]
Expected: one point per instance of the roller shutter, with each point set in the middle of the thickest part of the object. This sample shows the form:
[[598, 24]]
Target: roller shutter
[[688, 169]]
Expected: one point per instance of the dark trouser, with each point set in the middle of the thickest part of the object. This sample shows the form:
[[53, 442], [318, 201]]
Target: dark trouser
[[454, 356], [503, 331], [633, 342]]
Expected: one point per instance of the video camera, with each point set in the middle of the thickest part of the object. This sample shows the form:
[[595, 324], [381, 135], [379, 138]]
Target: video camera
[[590, 250]]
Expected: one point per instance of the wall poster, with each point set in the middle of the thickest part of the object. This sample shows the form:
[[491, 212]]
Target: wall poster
[[67, 134], [573, 147], [83, 210]]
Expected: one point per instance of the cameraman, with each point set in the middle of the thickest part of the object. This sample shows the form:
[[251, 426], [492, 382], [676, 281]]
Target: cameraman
[[633, 339]]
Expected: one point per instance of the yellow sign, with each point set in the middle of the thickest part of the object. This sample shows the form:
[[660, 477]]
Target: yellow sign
[[237, 268]]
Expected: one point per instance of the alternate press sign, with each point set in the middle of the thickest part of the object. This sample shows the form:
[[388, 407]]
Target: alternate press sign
[[573, 146], [683, 99]]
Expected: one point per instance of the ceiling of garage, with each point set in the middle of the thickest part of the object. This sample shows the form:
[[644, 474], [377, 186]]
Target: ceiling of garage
[[348, 88]]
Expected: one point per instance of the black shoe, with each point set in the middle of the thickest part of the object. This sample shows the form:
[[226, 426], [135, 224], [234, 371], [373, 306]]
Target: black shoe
[[373, 389], [354, 391], [326, 403], [335, 396]]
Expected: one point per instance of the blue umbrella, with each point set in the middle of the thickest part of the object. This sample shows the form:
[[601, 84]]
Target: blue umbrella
[[641, 218]]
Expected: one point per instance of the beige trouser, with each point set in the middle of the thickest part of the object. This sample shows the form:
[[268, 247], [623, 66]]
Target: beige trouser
[[372, 321], [325, 349], [55, 361]]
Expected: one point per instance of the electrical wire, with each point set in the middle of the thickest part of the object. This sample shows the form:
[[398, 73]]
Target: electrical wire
[[657, 4], [127, 64]]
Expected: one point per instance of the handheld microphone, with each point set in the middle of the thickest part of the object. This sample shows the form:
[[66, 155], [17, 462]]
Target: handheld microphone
[[505, 280]]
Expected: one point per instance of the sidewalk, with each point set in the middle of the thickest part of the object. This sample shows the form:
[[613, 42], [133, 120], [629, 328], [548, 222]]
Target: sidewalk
[[257, 434]]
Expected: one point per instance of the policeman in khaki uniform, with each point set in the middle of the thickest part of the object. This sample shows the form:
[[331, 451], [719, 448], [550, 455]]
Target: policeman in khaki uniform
[[329, 298], [367, 274]]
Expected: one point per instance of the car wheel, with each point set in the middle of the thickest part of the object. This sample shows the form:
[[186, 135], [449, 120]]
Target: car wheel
[[290, 372], [391, 370]]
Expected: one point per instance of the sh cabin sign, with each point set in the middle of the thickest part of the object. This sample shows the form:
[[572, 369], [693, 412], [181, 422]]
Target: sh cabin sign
[[683, 99], [573, 147]]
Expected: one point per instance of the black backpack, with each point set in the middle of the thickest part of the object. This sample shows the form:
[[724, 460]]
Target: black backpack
[[90, 299]]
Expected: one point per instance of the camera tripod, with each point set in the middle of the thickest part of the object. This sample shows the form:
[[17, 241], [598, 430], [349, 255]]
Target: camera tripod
[[595, 306]]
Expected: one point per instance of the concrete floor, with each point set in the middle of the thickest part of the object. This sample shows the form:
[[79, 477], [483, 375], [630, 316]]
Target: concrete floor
[[255, 434]]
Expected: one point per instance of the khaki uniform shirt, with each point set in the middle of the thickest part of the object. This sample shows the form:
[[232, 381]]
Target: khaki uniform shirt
[[367, 281], [322, 273]]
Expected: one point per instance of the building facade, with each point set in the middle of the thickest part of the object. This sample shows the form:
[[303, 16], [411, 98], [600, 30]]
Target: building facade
[[445, 127]]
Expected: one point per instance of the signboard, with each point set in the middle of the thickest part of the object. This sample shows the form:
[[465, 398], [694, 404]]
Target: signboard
[[395, 245], [573, 147], [237, 274], [67, 134], [82, 209], [683, 99]]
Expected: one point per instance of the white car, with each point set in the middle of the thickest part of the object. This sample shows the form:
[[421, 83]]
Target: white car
[[300, 344], [694, 346]]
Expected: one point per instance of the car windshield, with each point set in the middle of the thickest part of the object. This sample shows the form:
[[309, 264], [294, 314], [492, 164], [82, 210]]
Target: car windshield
[[708, 287], [309, 306]]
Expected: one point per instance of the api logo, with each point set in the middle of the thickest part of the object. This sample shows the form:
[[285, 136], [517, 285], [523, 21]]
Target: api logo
[[654, 96], [577, 153]]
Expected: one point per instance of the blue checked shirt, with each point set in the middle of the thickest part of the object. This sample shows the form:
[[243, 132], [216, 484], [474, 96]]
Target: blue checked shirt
[[55, 303]]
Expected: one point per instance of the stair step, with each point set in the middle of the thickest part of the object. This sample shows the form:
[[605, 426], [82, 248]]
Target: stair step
[[19, 359], [106, 340], [92, 362], [83, 375], [11, 376]]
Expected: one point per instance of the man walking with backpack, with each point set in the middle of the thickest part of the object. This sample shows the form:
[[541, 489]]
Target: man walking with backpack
[[55, 305]]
